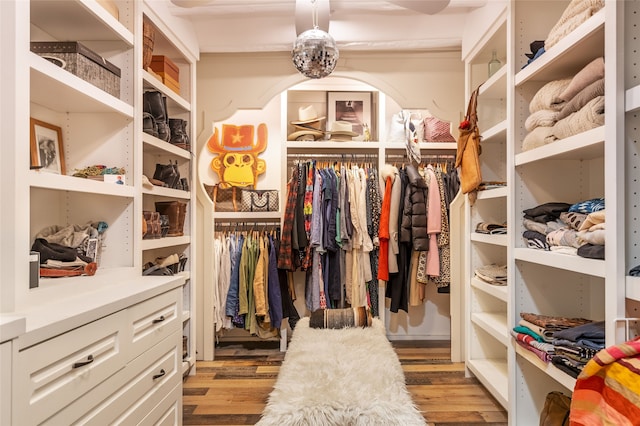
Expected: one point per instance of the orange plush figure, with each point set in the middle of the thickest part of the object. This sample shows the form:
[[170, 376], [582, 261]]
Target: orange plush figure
[[237, 163]]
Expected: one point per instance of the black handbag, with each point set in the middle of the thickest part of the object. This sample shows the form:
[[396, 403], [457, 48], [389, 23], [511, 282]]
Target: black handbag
[[259, 200]]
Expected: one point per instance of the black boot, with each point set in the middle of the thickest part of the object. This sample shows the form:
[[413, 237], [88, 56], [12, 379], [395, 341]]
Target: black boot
[[158, 109], [148, 122], [178, 135]]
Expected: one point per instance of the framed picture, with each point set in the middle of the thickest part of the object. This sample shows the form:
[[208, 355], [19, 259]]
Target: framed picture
[[354, 107], [47, 153]]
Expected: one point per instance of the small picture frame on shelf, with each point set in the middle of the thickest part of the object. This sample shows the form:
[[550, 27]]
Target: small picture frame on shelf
[[47, 153], [352, 107]]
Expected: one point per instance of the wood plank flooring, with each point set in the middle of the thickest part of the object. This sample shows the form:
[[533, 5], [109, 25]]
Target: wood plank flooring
[[233, 389]]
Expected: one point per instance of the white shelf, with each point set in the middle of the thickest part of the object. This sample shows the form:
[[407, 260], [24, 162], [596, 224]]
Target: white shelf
[[70, 183], [494, 323], [497, 133], [498, 291], [573, 52], [165, 242], [173, 98], [583, 146], [90, 21], [155, 146], [549, 369], [493, 374], [247, 216], [496, 86], [568, 262], [632, 99], [161, 191], [186, 315], [498, 239], [492, 193], [328, 146], [57, 89], [632, 288]]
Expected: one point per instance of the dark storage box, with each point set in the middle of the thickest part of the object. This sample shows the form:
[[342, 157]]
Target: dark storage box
[[82, 62]]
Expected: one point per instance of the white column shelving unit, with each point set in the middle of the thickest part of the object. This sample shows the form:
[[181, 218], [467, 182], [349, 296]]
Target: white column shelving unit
[[584, 166], [487, 343], [97, 128]]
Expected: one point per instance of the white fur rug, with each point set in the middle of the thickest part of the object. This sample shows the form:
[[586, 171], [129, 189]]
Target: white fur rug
[[341, 377]]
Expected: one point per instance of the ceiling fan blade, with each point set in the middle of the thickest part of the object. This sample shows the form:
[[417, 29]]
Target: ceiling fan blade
[[429, 7]]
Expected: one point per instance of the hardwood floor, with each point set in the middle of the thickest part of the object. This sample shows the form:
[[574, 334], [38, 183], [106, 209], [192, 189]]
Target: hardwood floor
[[233, 389]]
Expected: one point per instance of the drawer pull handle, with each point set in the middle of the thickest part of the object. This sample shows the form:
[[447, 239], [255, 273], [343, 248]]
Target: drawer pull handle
[[83, 363], [155, 321], [157, 376]]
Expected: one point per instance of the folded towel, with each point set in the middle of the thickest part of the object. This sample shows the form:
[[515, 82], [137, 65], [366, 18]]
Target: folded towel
[[537, 137], [542, 118], [588, 117], [591, 72], [548, 96], [575, 14], [593, 90]]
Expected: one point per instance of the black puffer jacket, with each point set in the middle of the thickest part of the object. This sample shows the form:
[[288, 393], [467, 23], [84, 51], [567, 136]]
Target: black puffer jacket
[[414, 217]]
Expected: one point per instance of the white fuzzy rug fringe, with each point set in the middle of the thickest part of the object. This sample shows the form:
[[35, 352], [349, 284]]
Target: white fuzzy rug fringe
[[341, 377]]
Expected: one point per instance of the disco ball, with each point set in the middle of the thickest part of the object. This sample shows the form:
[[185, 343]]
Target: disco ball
[[315, 53]]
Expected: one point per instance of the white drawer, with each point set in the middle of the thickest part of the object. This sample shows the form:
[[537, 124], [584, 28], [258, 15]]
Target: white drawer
[[153, 320], [54, 373], [131, 394], [168, 412]]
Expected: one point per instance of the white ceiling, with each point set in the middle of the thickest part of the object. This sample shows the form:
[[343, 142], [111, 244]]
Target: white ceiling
[[264, 26]]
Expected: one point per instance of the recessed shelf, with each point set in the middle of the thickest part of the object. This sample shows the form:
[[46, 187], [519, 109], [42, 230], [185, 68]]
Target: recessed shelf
[[493, 374], [78, 20], [583, 146], [552, 371], [498, 240], [155, 146], [59, 90], [76, 184], [567, 262], [632, 99], [498, 291], [165, 242], [571, 54]]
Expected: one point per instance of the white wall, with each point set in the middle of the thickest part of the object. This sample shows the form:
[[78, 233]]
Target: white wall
[[252, 83]]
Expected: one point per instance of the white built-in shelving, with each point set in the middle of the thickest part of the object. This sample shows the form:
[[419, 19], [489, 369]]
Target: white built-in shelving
[[486, 305], [97, 128]]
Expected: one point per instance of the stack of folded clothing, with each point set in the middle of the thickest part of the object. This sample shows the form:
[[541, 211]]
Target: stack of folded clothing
[[491, 228], [575, 14], [563, 108], [583, 103], [568, 343], [492, 274], [575, 346], [576, 229], [544, 109]]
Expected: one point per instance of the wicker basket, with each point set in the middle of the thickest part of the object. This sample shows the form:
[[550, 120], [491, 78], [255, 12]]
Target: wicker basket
[[148, 38]]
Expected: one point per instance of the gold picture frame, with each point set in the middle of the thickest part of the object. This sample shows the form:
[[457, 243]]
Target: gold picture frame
[[47, 153]]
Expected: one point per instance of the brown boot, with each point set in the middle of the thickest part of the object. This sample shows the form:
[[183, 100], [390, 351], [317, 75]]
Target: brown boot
[[171, 209], [182, 214]]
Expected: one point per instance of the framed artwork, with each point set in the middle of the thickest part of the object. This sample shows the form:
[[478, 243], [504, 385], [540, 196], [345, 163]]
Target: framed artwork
[[354, 107], [47, 153]]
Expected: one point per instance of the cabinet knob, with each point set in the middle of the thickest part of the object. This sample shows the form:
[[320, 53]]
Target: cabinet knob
[[157, 320], [83, 363], [160, 374]]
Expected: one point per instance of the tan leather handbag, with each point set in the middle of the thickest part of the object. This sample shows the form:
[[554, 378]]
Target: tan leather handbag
[[468, 153]]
